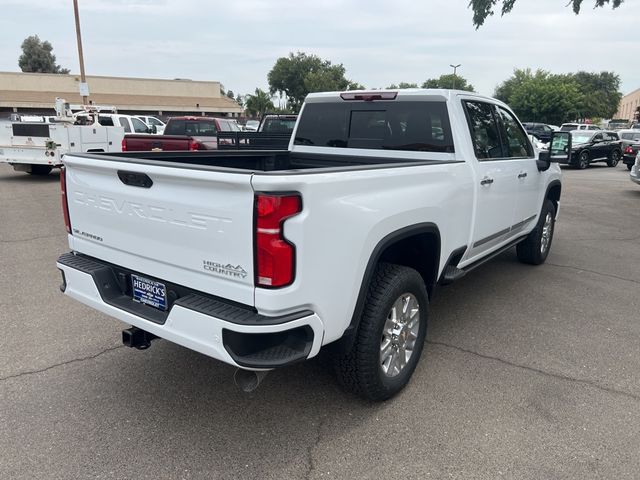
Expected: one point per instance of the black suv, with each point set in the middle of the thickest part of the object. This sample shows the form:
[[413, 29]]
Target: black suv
[[594, 146], [539, 130]]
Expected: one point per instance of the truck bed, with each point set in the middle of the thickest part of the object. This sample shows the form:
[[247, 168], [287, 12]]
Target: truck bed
[[253, 141], [268, 161]]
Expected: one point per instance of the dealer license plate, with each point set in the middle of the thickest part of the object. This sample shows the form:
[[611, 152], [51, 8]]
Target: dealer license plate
[[149, 292]]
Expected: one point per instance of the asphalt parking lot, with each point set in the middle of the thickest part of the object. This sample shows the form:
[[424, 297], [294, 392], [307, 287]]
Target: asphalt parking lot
[[529, 372]]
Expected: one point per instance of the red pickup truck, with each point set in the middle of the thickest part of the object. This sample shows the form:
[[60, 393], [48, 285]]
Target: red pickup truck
[[182, 133]]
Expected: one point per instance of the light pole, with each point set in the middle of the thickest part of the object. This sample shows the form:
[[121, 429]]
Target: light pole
[[83, 87], [455, 69]]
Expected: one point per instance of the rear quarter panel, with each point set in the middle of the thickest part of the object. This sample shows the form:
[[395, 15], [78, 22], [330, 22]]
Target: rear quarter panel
[[345, 215]]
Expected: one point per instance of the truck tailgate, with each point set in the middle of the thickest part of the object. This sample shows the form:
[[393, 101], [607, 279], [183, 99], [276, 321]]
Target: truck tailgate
[[191, 227]]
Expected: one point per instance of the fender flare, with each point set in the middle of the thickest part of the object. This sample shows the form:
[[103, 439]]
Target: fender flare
[[552, 184], [348, 337]]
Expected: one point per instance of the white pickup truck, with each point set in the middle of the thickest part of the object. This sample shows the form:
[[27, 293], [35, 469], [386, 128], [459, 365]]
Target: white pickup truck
[[260, 259]]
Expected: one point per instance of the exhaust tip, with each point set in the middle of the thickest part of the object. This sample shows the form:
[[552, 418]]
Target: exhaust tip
[[248, 380]]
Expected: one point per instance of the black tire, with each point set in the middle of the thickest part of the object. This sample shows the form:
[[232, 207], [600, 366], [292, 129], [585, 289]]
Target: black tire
[[629, 166], [583, 160], [361, 370], [614, 158], [530, 250], [40, 170]]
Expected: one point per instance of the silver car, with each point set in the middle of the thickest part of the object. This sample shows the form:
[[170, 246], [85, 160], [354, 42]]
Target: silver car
[[635, 170]]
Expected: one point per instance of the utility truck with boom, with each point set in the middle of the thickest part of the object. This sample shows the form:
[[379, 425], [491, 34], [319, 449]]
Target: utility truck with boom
[[261, 258], [36, 147]]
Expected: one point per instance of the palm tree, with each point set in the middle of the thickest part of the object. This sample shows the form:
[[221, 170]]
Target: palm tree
[[258, 103]]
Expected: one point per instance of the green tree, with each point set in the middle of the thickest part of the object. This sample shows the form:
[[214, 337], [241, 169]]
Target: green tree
[[505, 89], [601, 93], [282, 110], [230, 94], [258, 103], [449, 81], [484, 8], [542, 96], [355, 86], [300, 74], [402, 86], [37, 57]]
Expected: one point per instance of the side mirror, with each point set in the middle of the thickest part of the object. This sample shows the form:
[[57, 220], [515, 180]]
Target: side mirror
[[544, 161], [153, 129], [559, 150]]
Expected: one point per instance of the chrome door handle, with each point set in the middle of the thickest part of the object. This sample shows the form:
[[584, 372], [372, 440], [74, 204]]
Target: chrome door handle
[[523, 175], [486, 181]]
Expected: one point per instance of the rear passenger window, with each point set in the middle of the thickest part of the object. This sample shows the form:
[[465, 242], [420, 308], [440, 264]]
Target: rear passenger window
[[139, 126], [105, 121], [515, 140], [484, 130], [124, 123], [380, 125]]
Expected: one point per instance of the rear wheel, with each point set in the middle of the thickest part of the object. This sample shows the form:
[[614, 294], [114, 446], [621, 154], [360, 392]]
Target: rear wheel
[[390, 335], [614, 158], [535, 248], [40, 170], [583, 160], [629, 166]]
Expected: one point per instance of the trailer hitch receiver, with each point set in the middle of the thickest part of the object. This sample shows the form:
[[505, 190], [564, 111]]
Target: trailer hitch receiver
[[135, 337]]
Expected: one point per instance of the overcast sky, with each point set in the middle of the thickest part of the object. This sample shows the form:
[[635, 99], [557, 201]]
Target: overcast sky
[[379, 42]]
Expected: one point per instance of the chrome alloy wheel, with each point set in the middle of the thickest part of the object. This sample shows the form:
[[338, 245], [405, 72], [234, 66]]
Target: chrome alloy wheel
[[399, 334], [546, 233]]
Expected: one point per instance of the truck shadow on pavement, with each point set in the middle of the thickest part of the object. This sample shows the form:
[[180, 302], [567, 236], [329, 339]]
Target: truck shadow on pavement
[[25, 178]]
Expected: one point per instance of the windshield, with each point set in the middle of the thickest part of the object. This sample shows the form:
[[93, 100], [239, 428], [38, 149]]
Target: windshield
[[631, 136], [568, 127], [581, 137]]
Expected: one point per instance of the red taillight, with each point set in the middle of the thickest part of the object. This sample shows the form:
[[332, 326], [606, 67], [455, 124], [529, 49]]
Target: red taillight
[[124, 144], [193, 145], [628, 150], [65, 202], [275, 256]]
